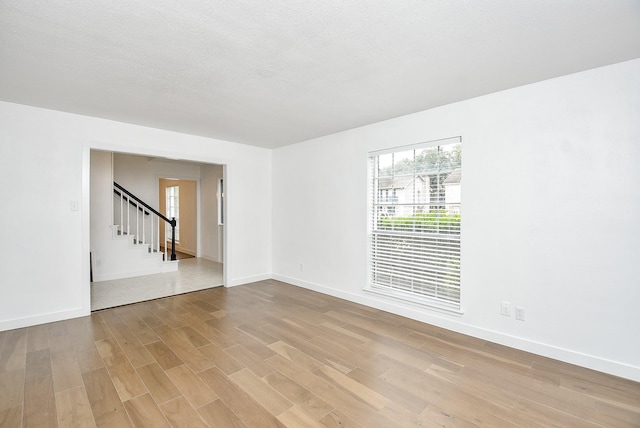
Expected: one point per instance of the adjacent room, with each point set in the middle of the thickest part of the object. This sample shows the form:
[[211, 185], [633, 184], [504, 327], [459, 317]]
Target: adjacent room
[[338, 214], [137, 254]]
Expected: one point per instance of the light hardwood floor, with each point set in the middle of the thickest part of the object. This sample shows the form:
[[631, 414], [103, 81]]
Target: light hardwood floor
[[271, 355]]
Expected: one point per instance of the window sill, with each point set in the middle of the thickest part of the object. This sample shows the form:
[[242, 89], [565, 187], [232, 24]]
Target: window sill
[[424, 302]]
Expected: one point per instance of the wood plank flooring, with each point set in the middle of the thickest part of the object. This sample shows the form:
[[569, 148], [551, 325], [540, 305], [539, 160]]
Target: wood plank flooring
[[270, 354]]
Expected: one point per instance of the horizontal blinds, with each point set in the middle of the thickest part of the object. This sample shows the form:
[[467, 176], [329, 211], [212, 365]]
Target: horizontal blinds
[[415, 222]]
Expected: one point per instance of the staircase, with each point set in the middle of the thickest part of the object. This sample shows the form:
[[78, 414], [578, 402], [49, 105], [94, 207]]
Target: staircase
[[135, 246]]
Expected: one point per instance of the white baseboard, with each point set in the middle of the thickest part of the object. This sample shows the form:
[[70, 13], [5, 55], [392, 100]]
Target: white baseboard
[[210, 258], [43, 318], [249, 279], [454, 324]]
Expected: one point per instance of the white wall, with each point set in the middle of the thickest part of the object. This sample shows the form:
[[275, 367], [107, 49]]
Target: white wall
[[101, 209], [141, 175], [550, 211], [212, 234], [561, 157], [44, 157], [101, 206]]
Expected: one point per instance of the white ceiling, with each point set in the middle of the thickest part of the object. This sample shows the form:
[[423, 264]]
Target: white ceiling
[[271, 73]]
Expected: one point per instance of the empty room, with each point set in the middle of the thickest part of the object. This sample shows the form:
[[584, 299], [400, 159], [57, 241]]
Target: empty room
[[406, 213]]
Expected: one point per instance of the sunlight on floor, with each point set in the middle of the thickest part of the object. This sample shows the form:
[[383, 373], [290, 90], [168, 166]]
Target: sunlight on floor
[[193, 274]]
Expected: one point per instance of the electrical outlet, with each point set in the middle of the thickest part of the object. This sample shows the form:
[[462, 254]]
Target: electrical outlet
[[520, 313], [506, 309], [301, 267]]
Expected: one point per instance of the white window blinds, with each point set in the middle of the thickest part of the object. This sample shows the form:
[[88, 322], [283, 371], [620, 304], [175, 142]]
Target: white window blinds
[[414, 222]]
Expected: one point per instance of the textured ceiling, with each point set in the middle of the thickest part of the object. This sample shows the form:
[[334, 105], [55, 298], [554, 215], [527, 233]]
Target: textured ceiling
[[283, 71]]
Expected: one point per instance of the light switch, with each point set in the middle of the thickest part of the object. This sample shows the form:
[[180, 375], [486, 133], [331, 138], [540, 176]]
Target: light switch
[[75, 205]]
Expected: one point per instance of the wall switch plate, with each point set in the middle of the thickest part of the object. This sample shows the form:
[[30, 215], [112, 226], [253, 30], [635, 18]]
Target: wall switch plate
[[74, 205], [520, 313], [506, 309]]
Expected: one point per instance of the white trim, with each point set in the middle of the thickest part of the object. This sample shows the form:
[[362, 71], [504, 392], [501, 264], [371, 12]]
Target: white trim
[[210, 258], [454, 323], [44, 318], [85, 225], [102, 145], [380, 256], [422, 145], [220, 201], [411, 298], [249, 279]]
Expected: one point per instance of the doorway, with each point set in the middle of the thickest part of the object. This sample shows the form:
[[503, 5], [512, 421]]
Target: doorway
[[195, 204], [178, 199]]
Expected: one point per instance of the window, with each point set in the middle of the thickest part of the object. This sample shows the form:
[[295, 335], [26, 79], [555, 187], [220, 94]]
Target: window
[[173, 207], [414, 223]]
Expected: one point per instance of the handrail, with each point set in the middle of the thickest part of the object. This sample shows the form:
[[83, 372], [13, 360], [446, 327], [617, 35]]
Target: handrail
[[171, 222], [132, 203], [143, 203]]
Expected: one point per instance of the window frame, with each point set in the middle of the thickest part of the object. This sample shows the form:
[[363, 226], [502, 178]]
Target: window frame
[[374, 232], [220, 197], [170, 206]]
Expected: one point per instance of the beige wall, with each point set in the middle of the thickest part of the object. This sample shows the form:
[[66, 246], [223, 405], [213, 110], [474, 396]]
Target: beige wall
[[188, 213]]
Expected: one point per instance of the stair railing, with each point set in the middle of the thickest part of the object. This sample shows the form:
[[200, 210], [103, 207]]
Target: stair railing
[[129, 199]]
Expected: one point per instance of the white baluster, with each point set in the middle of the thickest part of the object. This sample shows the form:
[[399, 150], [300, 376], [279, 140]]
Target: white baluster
[[137, 223], [143, 234], [158, 235], [165, 242], [121, 213], [128, 215]]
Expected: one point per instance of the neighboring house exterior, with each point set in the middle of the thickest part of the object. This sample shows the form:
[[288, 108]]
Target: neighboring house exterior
[[452, 192], [400, 190], [411, 195]]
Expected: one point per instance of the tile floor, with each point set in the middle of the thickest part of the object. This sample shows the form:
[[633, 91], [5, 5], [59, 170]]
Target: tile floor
[[193, 274]]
